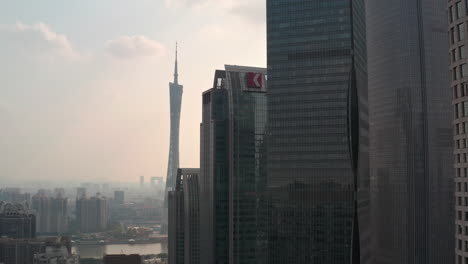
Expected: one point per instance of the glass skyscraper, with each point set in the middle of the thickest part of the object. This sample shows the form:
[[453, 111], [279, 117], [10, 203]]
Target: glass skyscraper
[[411, 147], [232, 165], [317, 143]]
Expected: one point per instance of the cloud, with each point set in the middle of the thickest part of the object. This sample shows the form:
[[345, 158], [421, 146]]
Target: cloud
[[252, 10], [127, 47], [37, 38]]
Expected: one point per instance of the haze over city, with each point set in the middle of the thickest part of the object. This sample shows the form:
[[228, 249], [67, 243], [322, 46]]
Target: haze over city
[[85, 84]]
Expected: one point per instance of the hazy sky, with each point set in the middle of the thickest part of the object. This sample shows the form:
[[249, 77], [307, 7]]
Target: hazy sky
[[84, 83]]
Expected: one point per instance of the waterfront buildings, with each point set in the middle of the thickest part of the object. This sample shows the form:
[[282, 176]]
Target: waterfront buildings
[[51, 213], [175, 92], [232, 165], [411, 136], [16, 221], [317, 145], [92, 214], [458, 45], [184, 219], [36, 251], [58, 252]]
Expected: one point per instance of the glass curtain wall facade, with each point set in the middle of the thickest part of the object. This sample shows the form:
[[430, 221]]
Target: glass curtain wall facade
[[246, 89], [317, 144], [232, 165], [184, 218], [458, 43], [214, 181], [411, 132]]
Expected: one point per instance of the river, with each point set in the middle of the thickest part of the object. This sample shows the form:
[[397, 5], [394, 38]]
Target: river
[[97, 251]]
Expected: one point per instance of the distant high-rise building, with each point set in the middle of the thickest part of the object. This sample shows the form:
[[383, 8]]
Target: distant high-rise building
[[175, 92], [123, 259], [16, 221], [317, 145], [184, 219], [142, 181], [59, 192], [51, 213], [411, 135], [156, 181], [232, 177], [92, 214], [80, 192], [119, 197], [14, 195]]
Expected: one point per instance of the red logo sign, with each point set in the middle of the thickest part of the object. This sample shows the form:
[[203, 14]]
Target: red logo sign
[[254, 80]]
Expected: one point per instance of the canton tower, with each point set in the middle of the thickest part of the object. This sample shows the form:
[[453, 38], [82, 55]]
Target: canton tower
[[175, 91]]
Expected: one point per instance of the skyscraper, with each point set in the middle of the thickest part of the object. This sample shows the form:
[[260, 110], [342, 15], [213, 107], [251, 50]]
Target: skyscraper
[[119, 197], [458, 44], [51, 213], [317, 145], [184, 218], [142, 181], [16, 221], [232, 165], [175, 92], [92, 214], [411, 134]]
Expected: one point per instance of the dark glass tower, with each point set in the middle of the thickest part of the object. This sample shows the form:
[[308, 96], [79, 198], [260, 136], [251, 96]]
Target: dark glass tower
[[232, 166], [411, 133], [175, 92], [183, 216], [317, 145]]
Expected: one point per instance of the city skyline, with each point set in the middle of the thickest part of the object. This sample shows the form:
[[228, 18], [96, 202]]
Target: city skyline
[[98, 98]]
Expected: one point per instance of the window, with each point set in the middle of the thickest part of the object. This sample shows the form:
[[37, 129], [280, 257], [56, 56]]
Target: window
[[454, 55], [455, 92], [454, 73], [452, 35], [461, 52], [451, 14], [459, 8], [461, 31], [466, 201], [463, 70], [466, 127], [465, 108]]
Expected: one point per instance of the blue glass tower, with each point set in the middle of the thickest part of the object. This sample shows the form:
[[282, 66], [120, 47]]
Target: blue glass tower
[[175, 92], [317, 143]]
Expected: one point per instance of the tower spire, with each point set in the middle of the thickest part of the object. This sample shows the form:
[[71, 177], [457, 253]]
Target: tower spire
[[176, 73]]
